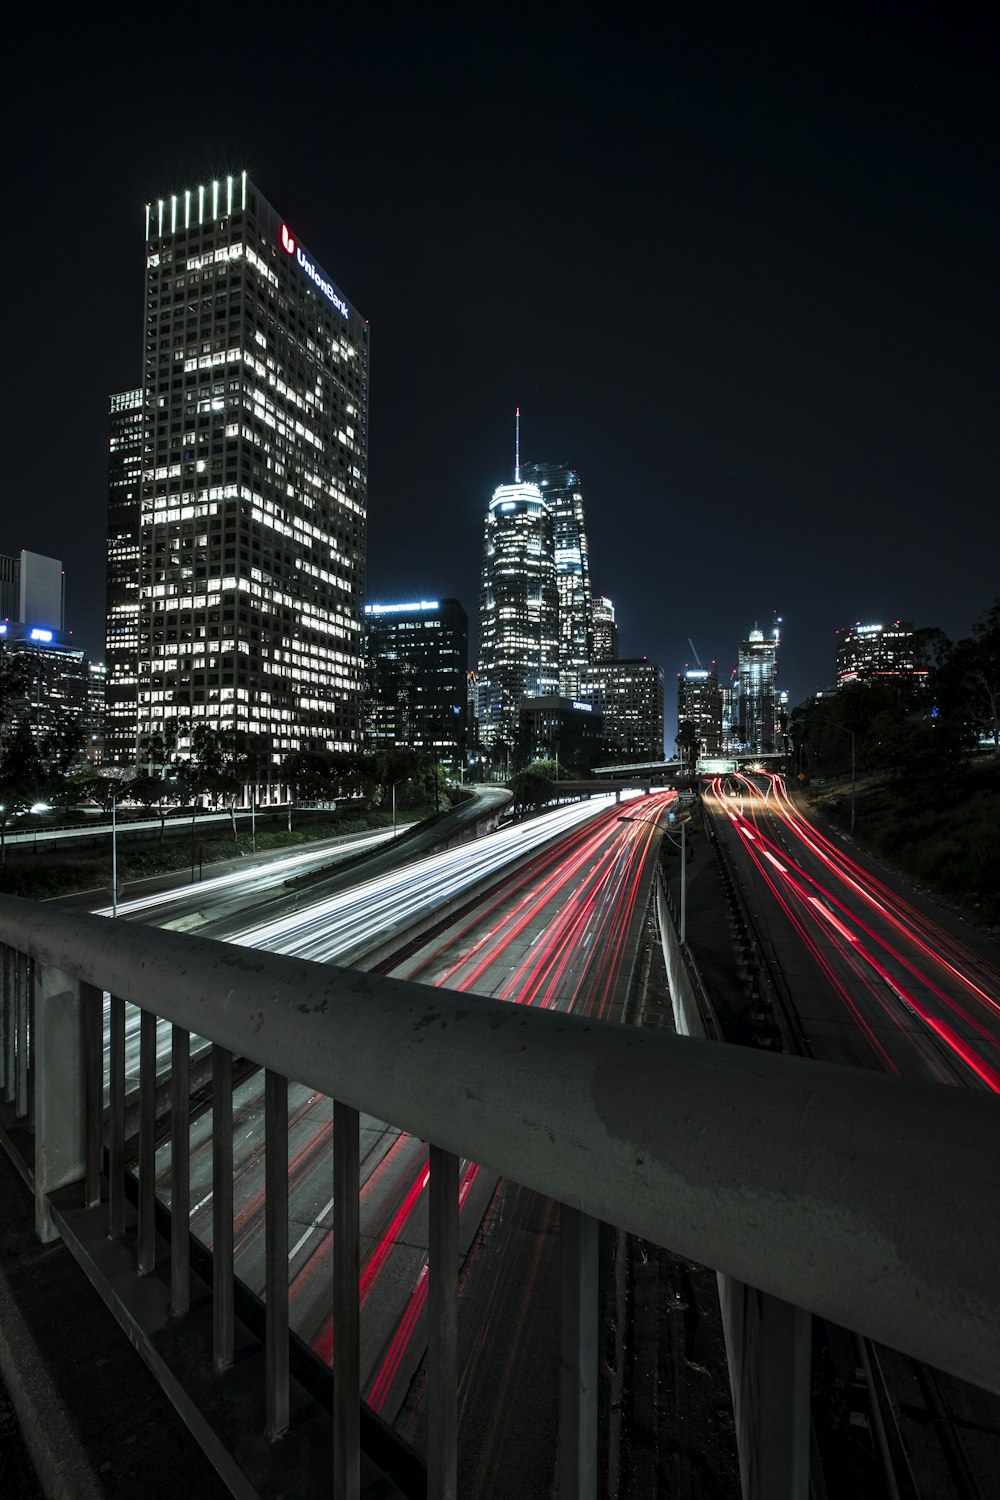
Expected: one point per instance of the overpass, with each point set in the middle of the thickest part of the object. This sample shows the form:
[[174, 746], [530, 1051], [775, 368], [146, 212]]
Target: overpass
[[863, 1198]]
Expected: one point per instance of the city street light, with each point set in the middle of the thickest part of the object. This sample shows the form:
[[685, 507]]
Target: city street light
[[845, 730], [395, 784]]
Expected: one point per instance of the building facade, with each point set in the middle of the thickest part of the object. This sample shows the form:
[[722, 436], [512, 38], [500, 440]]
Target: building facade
[[879, 653], [57, 681], [629, 697], [758, 730], [122, 600], [566, 730], [33, 591], [603, 630], [417, 658], [699, 703], [560, 486], [519, 610], [252, 490]]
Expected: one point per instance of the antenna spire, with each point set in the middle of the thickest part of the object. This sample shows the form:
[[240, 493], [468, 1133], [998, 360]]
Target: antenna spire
[[517, 445]]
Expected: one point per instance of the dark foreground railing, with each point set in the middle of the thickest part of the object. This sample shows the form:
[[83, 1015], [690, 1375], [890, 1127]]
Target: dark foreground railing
[[867, 1200]]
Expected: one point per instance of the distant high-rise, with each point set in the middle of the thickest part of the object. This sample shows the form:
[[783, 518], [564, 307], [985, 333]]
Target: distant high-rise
[[604, 631], [252, 491], [519, 609], [417, 658], [878, 653], [57, 674], [699, 702], [758, 692], [560, 486], [629, 696], [122, 621], [33, 591]]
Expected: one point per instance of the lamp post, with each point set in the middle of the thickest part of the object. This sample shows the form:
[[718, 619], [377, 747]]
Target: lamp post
[[844, 729], [395, 784], [114, 854]]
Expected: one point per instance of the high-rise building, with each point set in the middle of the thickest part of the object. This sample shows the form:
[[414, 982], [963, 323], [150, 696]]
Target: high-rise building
[[699, 702], [565, 730], [629, 697], [252, 493], [604, 631], [10, 587], [758, 728], [519, 610], [33, 591], [879, 653], [122, 619], [560, 486], [417, 658]]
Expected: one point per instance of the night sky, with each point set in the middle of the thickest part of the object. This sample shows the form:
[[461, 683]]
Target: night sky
[[739, 269]]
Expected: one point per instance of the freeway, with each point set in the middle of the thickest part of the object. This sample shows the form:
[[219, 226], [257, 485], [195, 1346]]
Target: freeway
[[544, 913], [870, 977], [878, 981]]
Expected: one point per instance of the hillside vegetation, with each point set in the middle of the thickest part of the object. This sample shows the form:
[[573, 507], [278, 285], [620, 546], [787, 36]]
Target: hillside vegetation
[[942, 834]]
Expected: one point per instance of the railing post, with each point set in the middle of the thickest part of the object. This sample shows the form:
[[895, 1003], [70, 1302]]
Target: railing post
[[346, 1309], [59, 1035], [276, 1249], [22, 969], [442, 1307], [180, 1171], [223, 1309], [94, 1064], [7, 1027], [147, 1143], [578, 1355], [116, 1086], [784, 1396]]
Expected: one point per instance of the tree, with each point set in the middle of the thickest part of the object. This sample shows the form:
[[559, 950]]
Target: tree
[[531, 788], [687, 742], [221, 764], [24, 779], [969, 679]]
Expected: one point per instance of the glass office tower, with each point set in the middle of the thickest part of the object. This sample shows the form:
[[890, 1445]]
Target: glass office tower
[[758, 692], [519, 610], [560, 486], [417, 658], [252, 505], [121, 657]]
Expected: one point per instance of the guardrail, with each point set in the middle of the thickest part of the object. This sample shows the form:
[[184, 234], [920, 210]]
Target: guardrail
[[869, 1200]]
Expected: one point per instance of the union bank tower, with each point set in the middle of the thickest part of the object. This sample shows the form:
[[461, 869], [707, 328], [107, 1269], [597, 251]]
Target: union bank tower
[[247, 523]]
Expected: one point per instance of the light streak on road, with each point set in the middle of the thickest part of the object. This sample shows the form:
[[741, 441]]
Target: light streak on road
[[879, 943]]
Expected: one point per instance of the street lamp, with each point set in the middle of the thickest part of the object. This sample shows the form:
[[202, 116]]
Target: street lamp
[[395, 784], [844, 729]]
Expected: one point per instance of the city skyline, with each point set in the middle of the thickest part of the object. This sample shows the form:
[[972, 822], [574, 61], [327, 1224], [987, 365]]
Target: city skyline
[[756, 318]]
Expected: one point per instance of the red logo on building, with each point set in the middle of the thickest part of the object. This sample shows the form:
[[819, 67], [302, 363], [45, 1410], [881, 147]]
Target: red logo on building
[[287, 239]]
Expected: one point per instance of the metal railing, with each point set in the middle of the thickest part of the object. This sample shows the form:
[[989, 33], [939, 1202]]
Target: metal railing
[[869, 1200]]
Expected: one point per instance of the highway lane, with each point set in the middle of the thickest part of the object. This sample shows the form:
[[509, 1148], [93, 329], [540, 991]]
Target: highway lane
[[231, 903], [877, 982], [546, 937], [876, 979], [566, 940]]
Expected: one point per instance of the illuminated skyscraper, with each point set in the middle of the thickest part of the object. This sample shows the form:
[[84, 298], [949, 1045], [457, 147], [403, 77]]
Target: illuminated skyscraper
[[560, 486], [629, 697], [699, 702], [122, 623], [604, 631], [879, 653], [252, 492], [519, 609], [758, 692], [417, 659]]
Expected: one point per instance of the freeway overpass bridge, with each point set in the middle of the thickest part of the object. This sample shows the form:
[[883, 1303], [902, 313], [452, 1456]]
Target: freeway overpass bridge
[[857, 1196]]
